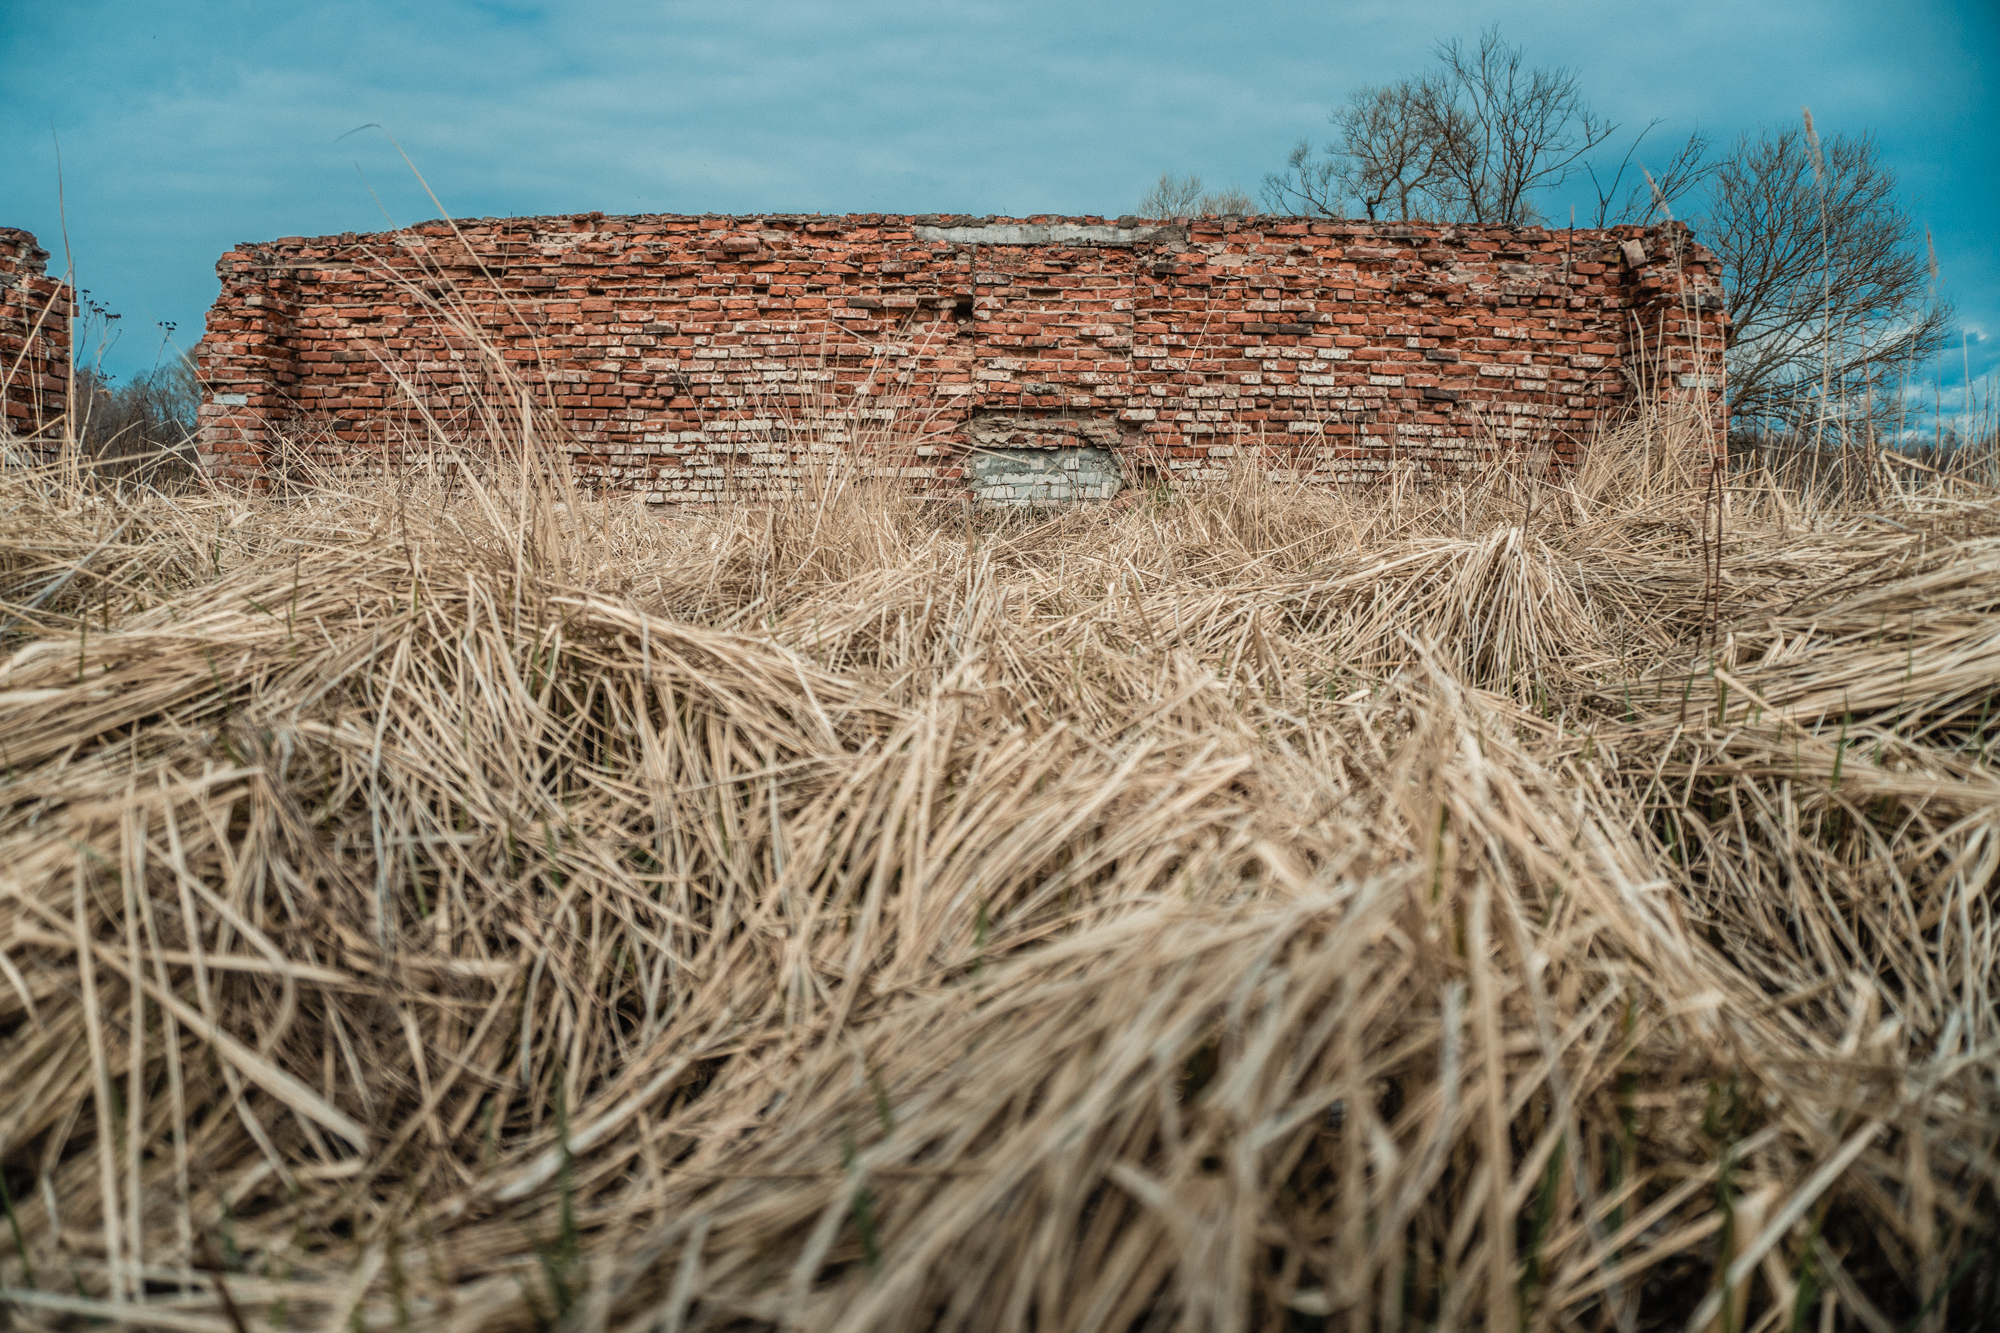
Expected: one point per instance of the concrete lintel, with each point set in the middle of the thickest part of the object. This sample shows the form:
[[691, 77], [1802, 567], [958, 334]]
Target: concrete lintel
[[1039, 233]]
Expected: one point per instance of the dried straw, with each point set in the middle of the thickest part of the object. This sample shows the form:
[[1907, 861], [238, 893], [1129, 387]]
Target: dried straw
[[452, 902]]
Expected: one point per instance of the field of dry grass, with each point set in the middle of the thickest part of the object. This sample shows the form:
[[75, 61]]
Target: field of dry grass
[[453, 902]]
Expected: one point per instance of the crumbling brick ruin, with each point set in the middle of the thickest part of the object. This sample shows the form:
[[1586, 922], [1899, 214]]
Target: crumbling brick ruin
[[34, 348], [694, 358]]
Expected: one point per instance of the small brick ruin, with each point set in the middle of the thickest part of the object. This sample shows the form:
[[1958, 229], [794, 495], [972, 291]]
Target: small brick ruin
[[703, 358], [34, 349]]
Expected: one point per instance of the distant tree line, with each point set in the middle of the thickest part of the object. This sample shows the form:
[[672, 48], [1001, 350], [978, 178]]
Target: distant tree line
[[1181, 196], [142, 427], [1833, 304]]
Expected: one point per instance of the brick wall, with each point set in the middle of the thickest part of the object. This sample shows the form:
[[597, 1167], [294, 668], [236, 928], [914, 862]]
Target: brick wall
[[695, 357], [34, 346]]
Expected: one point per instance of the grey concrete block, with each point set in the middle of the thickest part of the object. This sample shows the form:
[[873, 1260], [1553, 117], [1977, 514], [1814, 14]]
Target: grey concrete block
[[1043, 476]]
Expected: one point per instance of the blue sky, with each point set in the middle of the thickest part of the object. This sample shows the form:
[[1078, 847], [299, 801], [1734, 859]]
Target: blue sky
[[188, 126]]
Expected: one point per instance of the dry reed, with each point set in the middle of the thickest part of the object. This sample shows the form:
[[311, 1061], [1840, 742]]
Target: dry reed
[[453, 902]]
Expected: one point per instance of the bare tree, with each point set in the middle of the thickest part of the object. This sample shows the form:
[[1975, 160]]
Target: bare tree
[[1508, 131], [1469, 143], [1171, 196], [1830, 302], [1229, 202], [1181, 196], [1387, 158]]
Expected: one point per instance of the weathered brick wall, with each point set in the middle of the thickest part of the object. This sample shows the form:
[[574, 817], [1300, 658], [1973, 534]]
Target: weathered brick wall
[[695, 357], [34, 346]]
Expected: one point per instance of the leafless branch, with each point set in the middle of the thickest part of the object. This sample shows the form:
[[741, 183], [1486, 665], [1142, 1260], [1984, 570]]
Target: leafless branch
[[1658, 190]]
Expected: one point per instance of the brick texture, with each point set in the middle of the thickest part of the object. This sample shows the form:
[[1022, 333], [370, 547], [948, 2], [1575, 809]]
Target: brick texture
[[34, 346], [693, 358]]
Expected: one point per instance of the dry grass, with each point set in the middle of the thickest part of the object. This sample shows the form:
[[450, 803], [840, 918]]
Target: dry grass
[[478, 906]]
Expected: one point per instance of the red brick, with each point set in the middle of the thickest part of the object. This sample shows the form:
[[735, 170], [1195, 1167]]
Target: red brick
[[34, 337], [1266, 331]]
